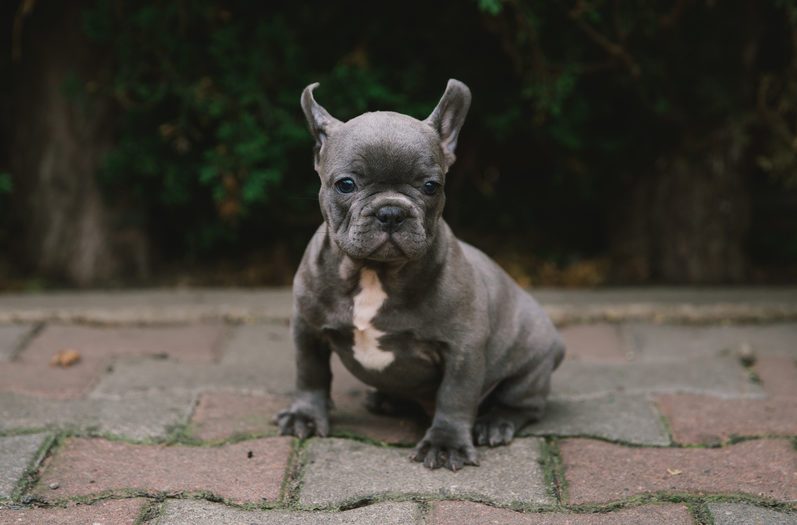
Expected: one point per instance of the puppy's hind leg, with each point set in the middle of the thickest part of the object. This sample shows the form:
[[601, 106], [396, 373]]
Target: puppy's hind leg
[[516, 401]]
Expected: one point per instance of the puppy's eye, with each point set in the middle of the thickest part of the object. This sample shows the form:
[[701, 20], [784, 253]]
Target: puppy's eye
[[345, 185], [430, 187]]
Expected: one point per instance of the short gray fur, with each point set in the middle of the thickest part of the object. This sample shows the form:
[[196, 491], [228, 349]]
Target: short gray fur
[[459, 331]]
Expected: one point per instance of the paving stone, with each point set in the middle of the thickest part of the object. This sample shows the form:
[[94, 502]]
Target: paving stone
[[158, 306], [30, 373], [16, 455], [11, 337], [137, 416], [466, 512], [594, 342], [268, 344], [191, 512], [598, 472], [43, 380], [746, 514], [720, 376], [199, 343], [245, 472], [246, 305], [220, 415], [666, 342], [342, 471], [778, 375], [704, 419], [103, 512], [152, 375], [629, 419]]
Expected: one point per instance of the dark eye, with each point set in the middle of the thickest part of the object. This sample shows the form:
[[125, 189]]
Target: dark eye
[[430, 187], [345, 185]]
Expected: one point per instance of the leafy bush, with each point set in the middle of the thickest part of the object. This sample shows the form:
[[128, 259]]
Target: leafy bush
[[572, 100]]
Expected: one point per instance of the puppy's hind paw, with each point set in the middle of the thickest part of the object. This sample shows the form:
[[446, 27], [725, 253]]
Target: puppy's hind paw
[[493, 430]]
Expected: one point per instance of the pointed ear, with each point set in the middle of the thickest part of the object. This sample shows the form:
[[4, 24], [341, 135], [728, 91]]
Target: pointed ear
[[319, 120], [449, 115]]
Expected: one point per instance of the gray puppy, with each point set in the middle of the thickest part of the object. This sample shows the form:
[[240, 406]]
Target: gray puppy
[[408, 308]]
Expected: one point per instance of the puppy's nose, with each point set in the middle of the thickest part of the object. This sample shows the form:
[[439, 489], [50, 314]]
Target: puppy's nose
[[391, 217]]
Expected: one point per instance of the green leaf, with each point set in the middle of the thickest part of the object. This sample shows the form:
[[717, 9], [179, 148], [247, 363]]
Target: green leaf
[[6, 184]]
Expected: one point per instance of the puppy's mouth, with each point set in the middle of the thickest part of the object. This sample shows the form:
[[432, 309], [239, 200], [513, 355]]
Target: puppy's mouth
[[387, 251]]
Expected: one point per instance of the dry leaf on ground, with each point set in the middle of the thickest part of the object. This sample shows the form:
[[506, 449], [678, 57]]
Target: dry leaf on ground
[[65, 358]]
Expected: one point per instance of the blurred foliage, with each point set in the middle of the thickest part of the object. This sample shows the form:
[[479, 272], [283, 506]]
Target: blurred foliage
[[572, 100]]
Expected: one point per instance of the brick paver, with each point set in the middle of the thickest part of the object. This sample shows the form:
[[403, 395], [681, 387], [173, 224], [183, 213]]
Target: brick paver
[[11, 338], [720, 376], [188, 512], [221, 415], [104, 512], [342, 471], [778, 375], [671, 341], [31, 372], [465, 512], [155, 375], [746, 514], [136, 416], [250, 471], [16, 454], [630, 419], [704, 419], [190, 344], [594, 342], [626, 382], [764, 468]]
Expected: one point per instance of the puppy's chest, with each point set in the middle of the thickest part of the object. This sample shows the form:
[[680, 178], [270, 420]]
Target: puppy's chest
[[370, 337]]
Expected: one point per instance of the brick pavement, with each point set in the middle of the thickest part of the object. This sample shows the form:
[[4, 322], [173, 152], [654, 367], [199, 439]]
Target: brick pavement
[[171, 423]]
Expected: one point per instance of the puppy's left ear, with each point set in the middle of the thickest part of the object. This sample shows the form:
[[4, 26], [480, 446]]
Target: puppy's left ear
[[449, 115], [320, 121]]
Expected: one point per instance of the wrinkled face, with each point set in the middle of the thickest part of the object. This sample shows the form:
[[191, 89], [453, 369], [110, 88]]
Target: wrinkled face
[[382, 177]]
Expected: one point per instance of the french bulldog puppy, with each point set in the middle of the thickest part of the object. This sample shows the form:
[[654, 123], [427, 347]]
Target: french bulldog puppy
[[409, 309]]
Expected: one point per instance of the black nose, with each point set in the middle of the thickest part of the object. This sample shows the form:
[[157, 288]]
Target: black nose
[[391, 217]]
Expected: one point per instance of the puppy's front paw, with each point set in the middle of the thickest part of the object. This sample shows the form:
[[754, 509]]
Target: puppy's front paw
[[307, 416], [446, 446]]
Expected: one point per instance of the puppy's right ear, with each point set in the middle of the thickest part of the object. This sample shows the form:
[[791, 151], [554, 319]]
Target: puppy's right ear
[[320, 121]]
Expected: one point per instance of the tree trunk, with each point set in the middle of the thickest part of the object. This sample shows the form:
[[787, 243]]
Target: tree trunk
[[60, 138], [687, 221]]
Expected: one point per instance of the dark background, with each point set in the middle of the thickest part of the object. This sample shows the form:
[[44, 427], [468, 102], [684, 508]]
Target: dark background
[[609, 142]]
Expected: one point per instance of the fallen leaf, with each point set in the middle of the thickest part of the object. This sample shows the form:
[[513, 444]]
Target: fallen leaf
[[674, 471], [65, 358]]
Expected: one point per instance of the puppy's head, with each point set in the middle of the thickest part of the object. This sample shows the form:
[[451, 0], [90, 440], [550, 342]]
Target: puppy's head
[[382, 175]]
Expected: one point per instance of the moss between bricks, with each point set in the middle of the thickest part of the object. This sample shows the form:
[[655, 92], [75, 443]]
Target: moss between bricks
[[550, 461], [149, 512], [31, 474], [552, 469]]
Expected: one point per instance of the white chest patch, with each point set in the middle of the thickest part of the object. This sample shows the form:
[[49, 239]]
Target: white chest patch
[[366, 338]]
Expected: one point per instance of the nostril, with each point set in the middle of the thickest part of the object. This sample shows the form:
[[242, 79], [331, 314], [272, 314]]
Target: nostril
[[391, 215]]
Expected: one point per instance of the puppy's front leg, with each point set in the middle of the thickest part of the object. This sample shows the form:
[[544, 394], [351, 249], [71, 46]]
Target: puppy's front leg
[[449, 441], [309, 412]]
